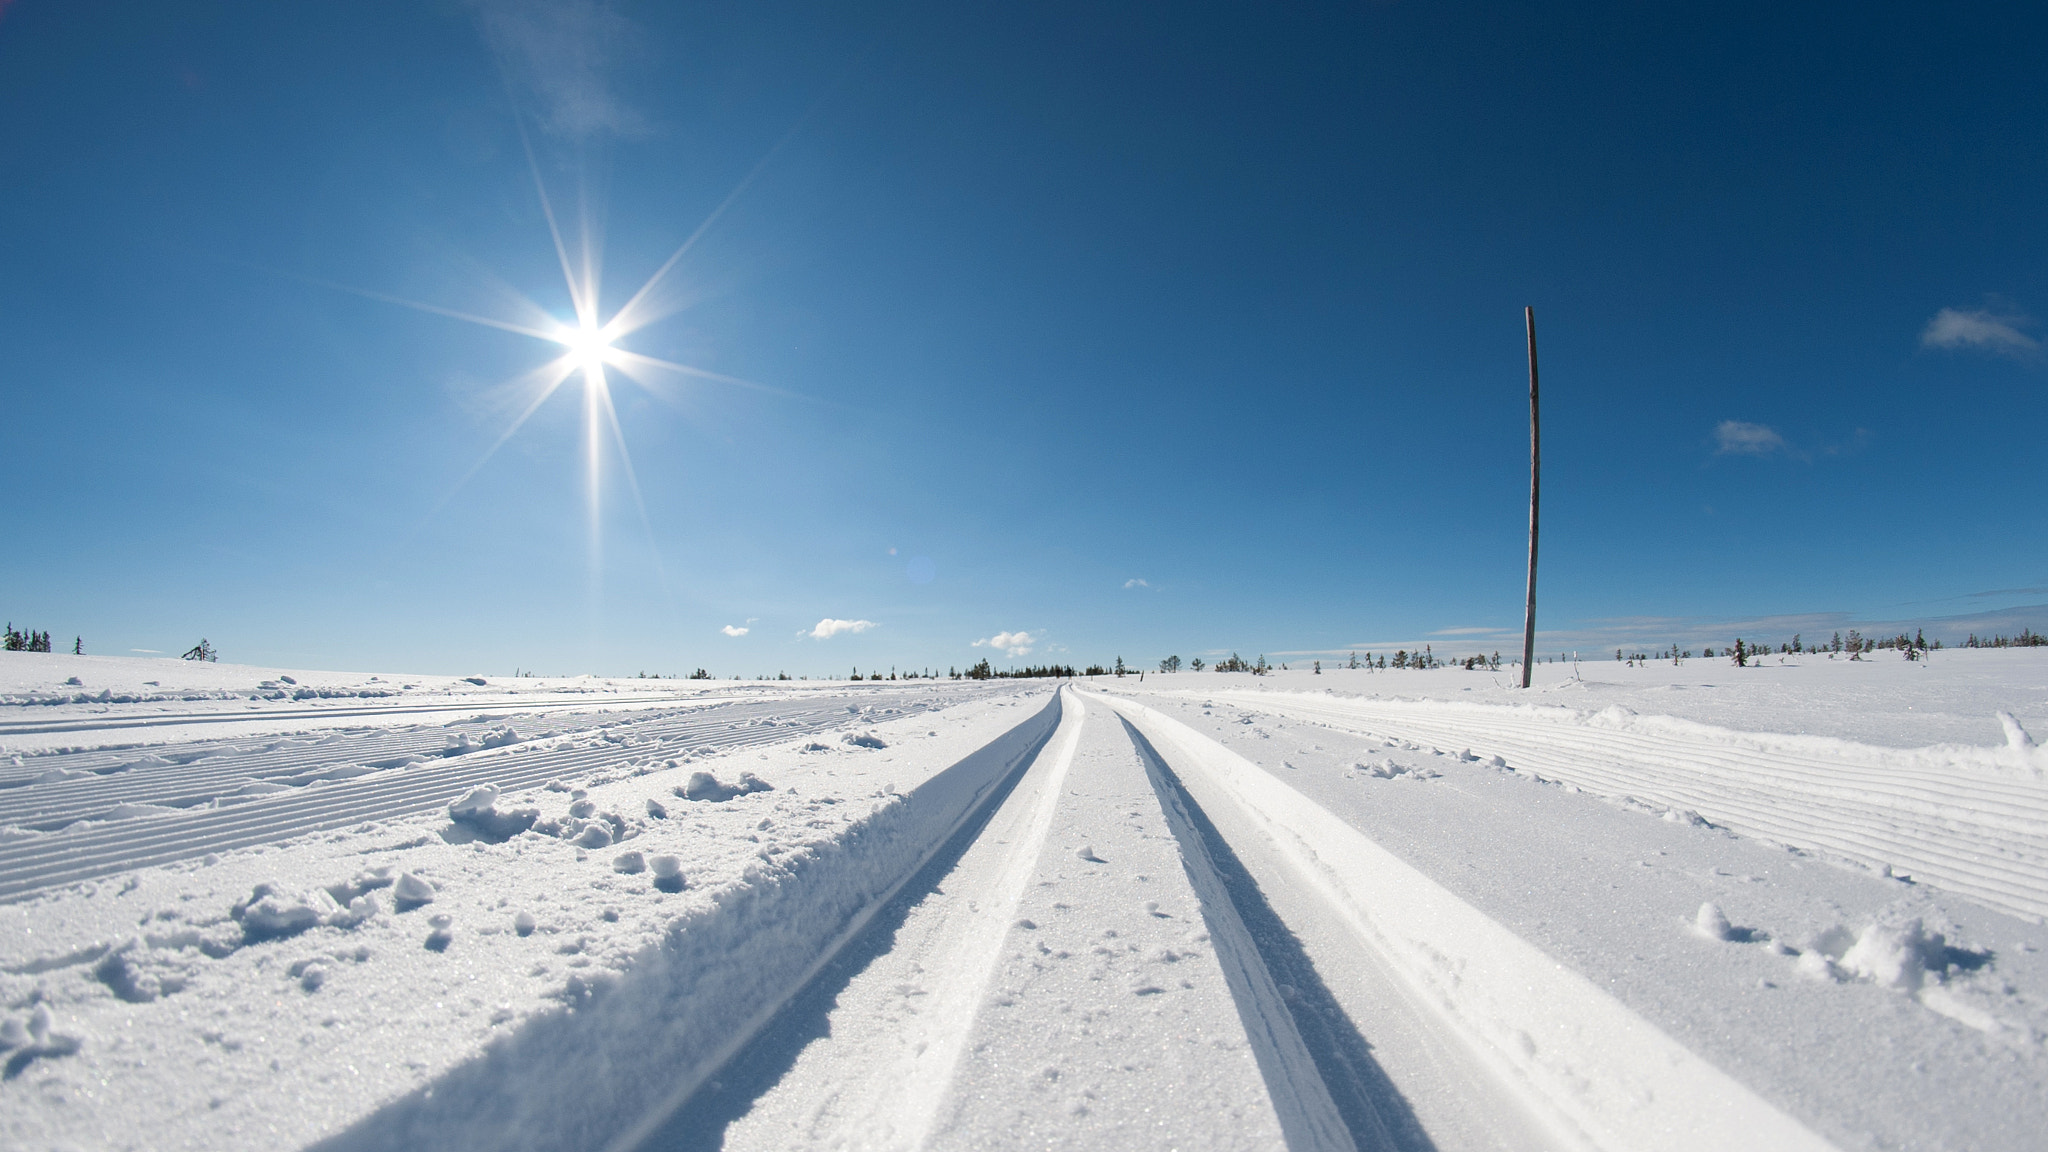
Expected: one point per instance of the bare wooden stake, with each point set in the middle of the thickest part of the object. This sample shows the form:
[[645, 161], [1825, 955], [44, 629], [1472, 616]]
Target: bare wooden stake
[[1535, 475]]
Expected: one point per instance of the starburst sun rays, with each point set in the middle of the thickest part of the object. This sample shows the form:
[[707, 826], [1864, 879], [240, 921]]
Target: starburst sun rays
[[588, 346]]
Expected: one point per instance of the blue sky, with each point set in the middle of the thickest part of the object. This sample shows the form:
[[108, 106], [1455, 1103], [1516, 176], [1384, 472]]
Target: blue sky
[[1136, 329]]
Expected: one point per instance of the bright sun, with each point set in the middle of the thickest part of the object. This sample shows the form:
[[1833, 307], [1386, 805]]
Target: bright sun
[[588, 345]]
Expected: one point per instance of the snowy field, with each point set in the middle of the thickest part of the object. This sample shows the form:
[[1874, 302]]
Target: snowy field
[[1798, 905]]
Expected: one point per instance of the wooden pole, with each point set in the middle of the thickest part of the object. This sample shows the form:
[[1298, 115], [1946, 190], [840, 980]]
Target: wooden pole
[[1535, 475]]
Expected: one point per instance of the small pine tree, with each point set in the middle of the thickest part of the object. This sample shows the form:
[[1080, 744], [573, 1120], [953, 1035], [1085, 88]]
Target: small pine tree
[[1319, 667], [1741, 653], [78, 645]]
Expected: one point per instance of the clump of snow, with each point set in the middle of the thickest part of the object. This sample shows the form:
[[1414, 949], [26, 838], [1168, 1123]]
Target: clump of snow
[[2016, 737], [705, 786], [477, 811], [1895, 955], [1712, 923], [668, 872], [629, 863], [30, 1040], [524, 922], [863, 740], [411, 891], [272, 914], [478, 800]]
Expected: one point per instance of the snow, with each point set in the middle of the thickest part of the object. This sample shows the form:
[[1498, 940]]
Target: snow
[[1795, 906]]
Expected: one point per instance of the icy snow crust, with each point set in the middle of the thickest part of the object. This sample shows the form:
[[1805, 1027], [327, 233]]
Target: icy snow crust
[[1200, 911]]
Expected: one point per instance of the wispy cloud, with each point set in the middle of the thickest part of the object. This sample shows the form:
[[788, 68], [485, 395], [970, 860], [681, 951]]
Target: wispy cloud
[[1469, 632], [734, 630], [1980, 330], [2001, 593], [828, 627], [1012, 643], [147, 651], [1741, 438], [1135, 582], [562, 52]]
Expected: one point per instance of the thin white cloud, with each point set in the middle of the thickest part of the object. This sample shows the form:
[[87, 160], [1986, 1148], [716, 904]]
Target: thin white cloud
[[1979, 330], [1135, 582], [828, 627], [1012, 643], [734, 630], [1468, 631], [147, 651], [1741, 438], [561, 52]]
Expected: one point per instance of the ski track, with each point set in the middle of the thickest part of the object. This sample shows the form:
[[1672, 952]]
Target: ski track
[[217, 821], [1972, 821], [1113, 933], [897, 1029], [113, 723], [1033, 996]]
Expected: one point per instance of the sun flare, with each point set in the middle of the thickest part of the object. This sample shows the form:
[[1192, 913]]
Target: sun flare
[[588, 345]]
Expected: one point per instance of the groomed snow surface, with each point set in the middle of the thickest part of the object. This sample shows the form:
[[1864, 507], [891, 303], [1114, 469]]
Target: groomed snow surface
[[1677, 906]]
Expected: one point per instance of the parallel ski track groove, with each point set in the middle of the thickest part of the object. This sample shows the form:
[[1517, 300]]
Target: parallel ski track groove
[[1989, 842], [48, 807], [34, 865], [105, 723]]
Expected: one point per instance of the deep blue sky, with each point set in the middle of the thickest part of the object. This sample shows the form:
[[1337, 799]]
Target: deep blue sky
[[1225, 299]]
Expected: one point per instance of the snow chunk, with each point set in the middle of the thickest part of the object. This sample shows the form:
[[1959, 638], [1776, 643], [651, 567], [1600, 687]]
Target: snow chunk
[[477, 810], [2015, 736], [629, 863], [411, 891], [479, 800], [1711, 923], [705, 786], [863, 740], [273, 914], [1896, 956]]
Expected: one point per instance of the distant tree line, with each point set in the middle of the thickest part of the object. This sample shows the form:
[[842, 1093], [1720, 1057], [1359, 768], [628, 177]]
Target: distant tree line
[[1914, 647], [2028, 638], [983, 671], [30, 641]]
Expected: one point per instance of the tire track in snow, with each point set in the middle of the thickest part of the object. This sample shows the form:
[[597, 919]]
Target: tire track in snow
[[1593, 1072], [1966, 820]]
